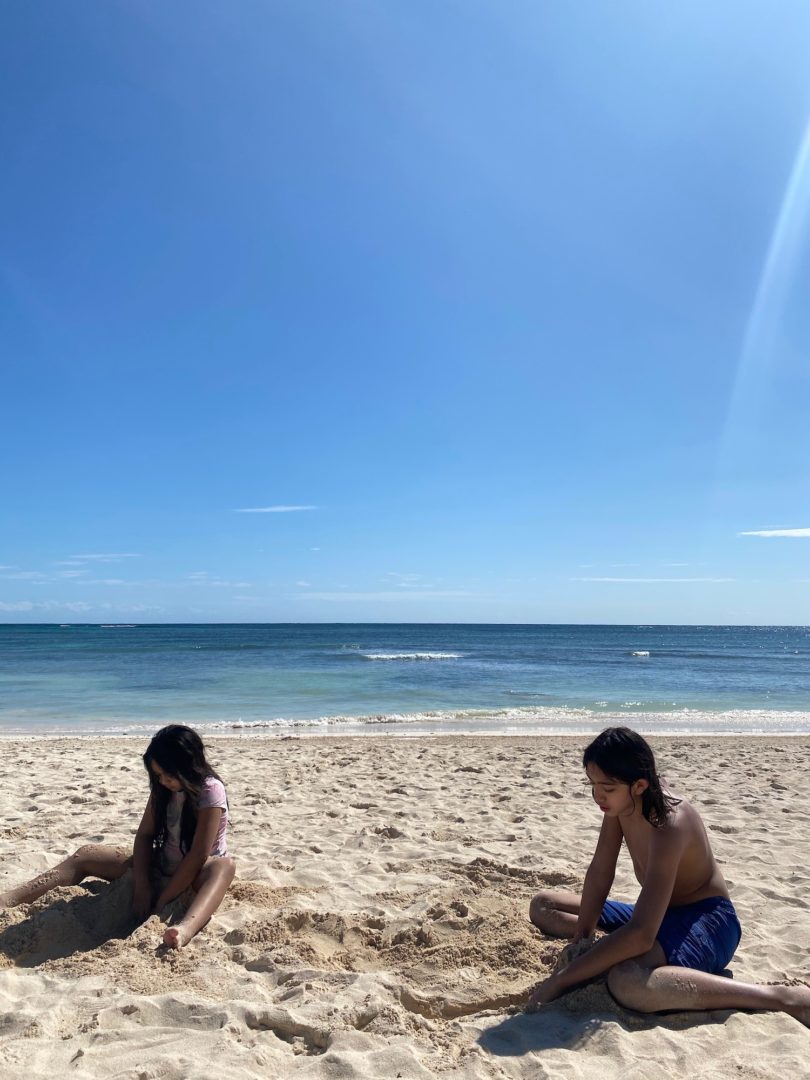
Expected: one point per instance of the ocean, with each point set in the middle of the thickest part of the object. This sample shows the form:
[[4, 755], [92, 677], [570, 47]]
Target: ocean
[[404, 679]]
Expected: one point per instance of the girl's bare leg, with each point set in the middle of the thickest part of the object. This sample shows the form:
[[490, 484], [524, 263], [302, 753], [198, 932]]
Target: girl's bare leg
[[665, 988], [92, 860], [210, 886], [555, 912]]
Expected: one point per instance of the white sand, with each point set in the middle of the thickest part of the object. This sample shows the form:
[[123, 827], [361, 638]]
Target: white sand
[[378, 924]]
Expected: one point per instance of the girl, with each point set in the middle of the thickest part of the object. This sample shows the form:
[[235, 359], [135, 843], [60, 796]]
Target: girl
[[666, 951], [180, 842]]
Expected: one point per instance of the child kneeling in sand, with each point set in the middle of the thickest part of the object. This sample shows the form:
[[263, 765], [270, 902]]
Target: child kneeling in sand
[[665, 951], [180, 842]]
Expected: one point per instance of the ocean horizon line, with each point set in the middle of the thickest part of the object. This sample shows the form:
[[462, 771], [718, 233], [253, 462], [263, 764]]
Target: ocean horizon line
[[392, 622]]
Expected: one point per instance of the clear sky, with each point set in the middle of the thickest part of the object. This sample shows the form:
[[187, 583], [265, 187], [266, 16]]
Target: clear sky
[[405, 310]]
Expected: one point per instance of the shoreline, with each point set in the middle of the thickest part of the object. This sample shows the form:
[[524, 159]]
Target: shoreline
[[430, 723], [324, 736]]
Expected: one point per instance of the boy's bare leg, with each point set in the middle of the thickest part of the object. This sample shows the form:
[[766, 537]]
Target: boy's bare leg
[[665, 988], [210, 886], [555, 912], [92, 860]]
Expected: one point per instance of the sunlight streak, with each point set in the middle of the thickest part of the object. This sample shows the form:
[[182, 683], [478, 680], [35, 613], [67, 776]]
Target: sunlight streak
[[762, 332]]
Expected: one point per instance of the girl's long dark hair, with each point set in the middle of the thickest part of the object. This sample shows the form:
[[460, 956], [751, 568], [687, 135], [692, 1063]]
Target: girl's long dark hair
[[178, 751], [625, 756]]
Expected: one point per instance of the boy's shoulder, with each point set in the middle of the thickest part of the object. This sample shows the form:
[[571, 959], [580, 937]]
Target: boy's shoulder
[[683, 816]]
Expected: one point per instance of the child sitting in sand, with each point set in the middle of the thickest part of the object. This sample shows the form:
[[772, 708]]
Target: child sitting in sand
[[665, 951], [180, 842]]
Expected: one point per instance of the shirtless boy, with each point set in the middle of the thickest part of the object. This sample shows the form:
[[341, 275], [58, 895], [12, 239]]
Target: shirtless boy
[[665, 951]]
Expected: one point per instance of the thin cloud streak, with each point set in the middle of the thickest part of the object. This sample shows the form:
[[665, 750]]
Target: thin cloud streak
[[202, 577], [776, 532], [102, 558], [656, 580], [273, 509], [45, 605], [384, 597]]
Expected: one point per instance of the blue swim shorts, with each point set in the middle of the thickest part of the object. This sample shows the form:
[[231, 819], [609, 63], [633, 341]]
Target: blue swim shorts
[[704, 935]]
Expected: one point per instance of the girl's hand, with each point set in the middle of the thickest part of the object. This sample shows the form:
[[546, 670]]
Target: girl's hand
[[547, 991], [142, 899]]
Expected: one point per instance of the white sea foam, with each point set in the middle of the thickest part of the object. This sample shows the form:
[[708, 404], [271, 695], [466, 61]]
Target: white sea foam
[[412, 656], [640, 652], [543, 720], [526, 720]]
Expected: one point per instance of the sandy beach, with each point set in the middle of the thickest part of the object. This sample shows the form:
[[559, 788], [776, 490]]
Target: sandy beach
[[378, 924]]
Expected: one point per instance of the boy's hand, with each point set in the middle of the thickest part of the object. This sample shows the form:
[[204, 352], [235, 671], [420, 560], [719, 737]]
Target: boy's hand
[[581, 933], [547, 991]]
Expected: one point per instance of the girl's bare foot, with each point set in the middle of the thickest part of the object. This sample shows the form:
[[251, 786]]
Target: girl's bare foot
[[175, 937]]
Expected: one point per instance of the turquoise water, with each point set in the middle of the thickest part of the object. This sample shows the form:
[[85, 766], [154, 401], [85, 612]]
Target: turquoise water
[[404, 678]]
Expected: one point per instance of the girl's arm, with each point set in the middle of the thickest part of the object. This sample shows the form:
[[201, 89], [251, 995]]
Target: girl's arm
[[599, 877], [141, 858], [208, 819]]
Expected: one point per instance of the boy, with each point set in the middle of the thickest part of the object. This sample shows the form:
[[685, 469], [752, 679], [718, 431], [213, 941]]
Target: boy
[[664, 952]]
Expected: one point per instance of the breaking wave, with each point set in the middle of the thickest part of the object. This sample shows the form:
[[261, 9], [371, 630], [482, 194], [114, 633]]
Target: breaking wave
[[412, 656], [541, 720]]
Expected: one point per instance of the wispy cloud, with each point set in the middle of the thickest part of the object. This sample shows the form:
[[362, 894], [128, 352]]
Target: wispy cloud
[[77, 607], [410, 581], [101, 558], [304, 584], [272, 509], [202, 577], [73, 577], [386, 597], [656, 580], [776, 532]]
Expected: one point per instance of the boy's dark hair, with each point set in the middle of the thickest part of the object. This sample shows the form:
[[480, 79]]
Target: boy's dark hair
[[625, 756], [178, 751]]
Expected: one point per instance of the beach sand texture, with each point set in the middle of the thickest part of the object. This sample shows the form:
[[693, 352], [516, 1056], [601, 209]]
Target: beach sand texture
[[378, 924]]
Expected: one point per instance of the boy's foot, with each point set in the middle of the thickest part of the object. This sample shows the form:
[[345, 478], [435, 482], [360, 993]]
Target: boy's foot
[[797, 1003], [175, 937]]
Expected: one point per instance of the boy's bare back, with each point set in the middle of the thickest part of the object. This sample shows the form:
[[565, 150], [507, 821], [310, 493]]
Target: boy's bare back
[[698, 876]]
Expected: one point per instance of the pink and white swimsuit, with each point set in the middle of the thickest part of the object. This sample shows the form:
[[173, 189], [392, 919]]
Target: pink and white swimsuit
[[212, 794]]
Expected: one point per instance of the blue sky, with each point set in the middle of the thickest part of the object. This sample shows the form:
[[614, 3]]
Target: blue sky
[[405, 311]]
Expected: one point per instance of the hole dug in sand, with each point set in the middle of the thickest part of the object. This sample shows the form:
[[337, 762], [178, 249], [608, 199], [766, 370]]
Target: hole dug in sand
[[270, 977], [66, 921], [463, 947]]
